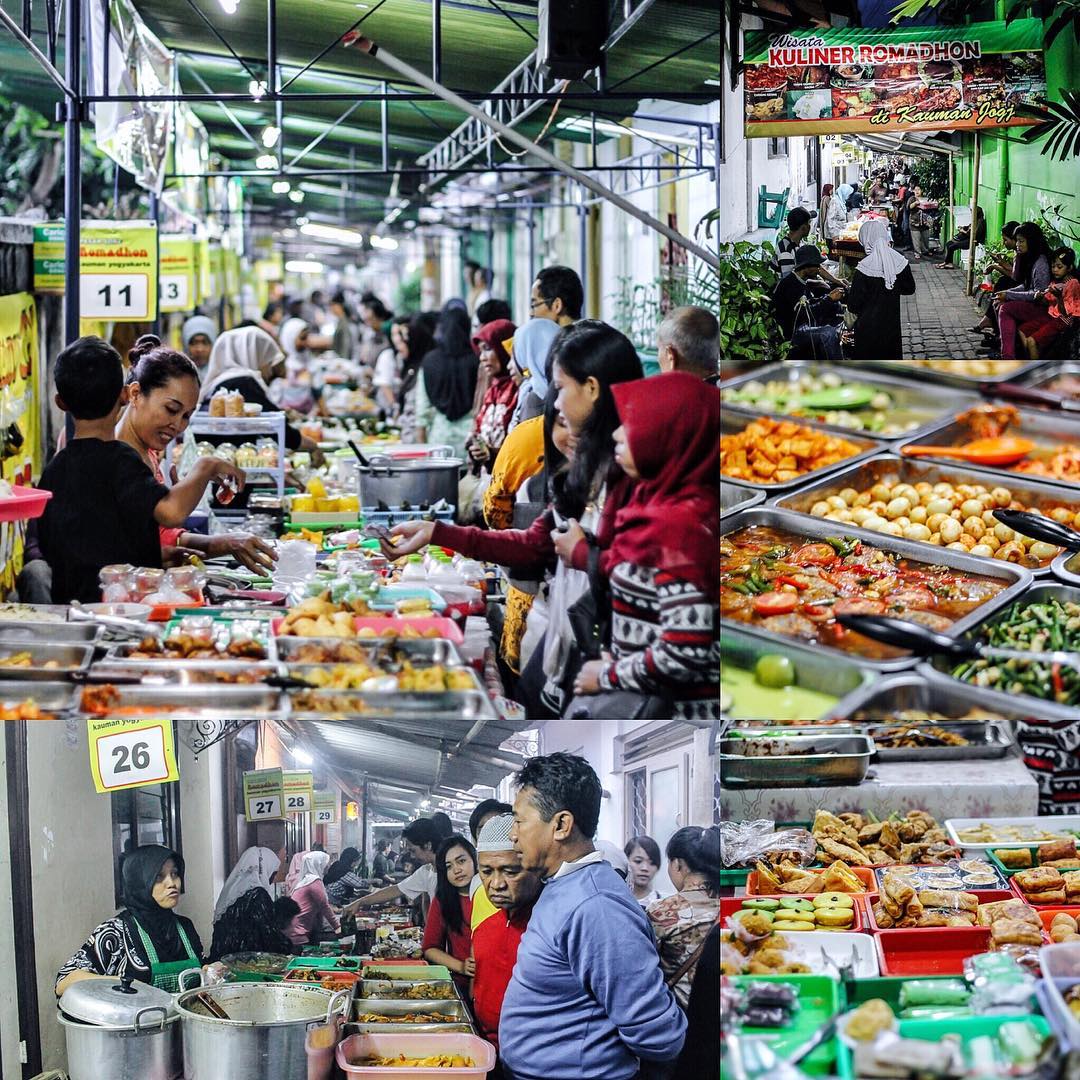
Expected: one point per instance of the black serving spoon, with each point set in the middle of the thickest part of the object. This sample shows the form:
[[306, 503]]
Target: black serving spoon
[[1038, 527], [923, 641]]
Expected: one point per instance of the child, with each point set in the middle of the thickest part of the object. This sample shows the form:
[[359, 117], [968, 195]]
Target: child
[[106, 505], [1063, 297], [662, 546]]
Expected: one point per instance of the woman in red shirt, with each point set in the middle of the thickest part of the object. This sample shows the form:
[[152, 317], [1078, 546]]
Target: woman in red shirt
[[310, 896], [447, 935]]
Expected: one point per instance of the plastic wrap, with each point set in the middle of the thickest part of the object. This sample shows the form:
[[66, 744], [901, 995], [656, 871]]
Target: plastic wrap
[[742, 843], [933, 992], [1001, 985]]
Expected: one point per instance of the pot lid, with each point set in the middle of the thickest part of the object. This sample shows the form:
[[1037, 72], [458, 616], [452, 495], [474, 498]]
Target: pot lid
[[112, 1002]]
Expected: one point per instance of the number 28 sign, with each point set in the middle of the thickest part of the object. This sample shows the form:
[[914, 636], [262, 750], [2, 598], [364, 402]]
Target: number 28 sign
[[131, 753]]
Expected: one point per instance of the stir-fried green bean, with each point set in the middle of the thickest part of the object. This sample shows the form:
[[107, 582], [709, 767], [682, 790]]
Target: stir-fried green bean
[[1033, 628]]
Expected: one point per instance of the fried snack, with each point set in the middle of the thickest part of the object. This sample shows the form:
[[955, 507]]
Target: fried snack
[[1014, 858], [869, 1020], [1015, 932], [829, 826], [1061, 933], [768, 882], [771, 451], [1063, 918], [1061, 864], [1039, 879], [839, 878], [950, 900], [1072, 883], [1048, 896], [756, 924], [852, 854], [1057, 849], [988, 914]]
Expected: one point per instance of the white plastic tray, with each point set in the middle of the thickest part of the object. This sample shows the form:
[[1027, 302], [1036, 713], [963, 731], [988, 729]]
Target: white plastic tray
[[1052, 824], [1060, 964], [806, 948]]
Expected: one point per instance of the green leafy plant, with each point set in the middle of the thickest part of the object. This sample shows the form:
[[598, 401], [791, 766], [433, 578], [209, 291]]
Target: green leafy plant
[[1062, 13], [641, 307], [408, 293], [1059, 122], [932, 175], [746, 282]]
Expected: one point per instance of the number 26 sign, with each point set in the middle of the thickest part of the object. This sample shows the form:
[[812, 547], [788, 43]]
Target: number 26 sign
[[131, 753]]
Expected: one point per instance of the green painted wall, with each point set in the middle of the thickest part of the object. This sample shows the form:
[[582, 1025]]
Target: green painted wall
[[1031, 178]]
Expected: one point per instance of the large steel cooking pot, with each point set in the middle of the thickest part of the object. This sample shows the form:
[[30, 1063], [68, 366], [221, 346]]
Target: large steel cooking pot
[[409, 480], [265, 1034], [118, 1028]]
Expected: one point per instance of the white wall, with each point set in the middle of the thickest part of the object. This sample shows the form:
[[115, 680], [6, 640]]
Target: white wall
[[9, 1005]]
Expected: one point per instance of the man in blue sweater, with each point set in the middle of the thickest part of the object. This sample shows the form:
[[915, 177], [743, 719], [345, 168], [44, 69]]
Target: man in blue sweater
[[587, 1000]]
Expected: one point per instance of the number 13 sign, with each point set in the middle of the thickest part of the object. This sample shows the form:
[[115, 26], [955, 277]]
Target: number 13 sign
[[131, 753]]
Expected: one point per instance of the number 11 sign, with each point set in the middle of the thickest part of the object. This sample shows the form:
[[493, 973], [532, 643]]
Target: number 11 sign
[[131, 753]]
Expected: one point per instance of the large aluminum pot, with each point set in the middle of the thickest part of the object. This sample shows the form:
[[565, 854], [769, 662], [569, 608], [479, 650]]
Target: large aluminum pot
[[409, 480], [265, 1034], [117, 1029]]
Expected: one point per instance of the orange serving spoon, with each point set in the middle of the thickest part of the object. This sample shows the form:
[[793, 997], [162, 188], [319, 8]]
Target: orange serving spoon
[[1005, 450]]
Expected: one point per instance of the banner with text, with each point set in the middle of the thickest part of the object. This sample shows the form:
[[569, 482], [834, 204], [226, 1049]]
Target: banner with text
[[326, 807], [919, 78], [299, 791], [178, 272]]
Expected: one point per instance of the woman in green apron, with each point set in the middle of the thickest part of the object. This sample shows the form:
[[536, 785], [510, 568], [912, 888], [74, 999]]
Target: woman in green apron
[[147, 941]]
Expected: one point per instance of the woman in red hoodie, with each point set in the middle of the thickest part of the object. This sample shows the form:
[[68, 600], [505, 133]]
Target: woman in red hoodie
[[497, 406], [662, 548]]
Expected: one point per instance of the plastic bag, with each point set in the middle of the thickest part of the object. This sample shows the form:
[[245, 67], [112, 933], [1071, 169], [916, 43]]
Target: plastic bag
[[1001, 984], [742, 843]]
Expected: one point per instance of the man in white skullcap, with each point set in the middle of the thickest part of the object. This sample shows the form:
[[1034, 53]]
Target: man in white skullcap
[[513, 891]]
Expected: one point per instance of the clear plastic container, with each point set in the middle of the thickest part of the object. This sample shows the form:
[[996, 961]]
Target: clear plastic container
[[359, 1047], [1060, 963]]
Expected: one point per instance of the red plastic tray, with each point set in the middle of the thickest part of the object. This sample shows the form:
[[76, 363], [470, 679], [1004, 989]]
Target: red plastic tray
[[1017, 891], [1047, 913], [987, 896], [933, 951], [24, 503], [863, 873], [729, 907], [446, 628]]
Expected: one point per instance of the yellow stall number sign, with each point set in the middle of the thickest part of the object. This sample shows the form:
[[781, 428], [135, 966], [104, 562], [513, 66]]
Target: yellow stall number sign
[[326, 807], [263, 795], [299, 791], [131, 753], [177, 272]]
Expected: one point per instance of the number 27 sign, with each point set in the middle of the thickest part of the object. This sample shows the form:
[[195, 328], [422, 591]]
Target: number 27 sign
[[131, 753]]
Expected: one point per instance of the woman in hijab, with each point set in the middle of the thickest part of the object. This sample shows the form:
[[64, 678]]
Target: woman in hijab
[[838, 211], [500, 398], [295, 391], [529, 362], [254, 869], [341, 881], [147, 941], [412, 342], [296, 869], [244, 919], [444, 392], [880, 279], [198, 335], [310, 896], [247, 360], [659, 549]]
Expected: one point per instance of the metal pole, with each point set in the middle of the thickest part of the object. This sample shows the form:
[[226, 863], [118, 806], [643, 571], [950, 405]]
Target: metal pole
[[409, 72], [436, 40], [364, 824], [155, 213], [974, 213], [37, 54], [532, 243], [384, 119], [583, 240], [271, 46], [72, 169]]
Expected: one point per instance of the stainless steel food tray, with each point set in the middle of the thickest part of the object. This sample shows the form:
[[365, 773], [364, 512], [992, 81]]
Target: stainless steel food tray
[[1033, 708], [1066, 567], [419, 650], [448, 1011], [186, 672], [69, 658], [356, 1028], [843, 759], [1016, 577], [50, 632], [1039, 378], [929, 690], [402, 705], [58, 697], [741, 648], [308, 671], [1044, 427], [369, 988], [987, 741], [1033, 492], [120, 653], [935, 401], [734, 498], [961, 382], [734, 419], [201, 702]]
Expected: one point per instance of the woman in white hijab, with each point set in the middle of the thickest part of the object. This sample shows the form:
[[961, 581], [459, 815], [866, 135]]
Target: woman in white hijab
[[248, 360], [880, 279], [294, 392], [254, 869], [838, 211]]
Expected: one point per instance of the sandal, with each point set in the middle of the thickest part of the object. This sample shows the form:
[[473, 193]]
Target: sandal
[[980, 329]]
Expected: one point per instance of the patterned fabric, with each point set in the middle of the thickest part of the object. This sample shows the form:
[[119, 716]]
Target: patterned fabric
[[113, 949], [663, 638], [680, 924], [347, 887], [518, 605]]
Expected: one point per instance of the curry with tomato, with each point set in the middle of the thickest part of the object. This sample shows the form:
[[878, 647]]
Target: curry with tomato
[[781, 583]]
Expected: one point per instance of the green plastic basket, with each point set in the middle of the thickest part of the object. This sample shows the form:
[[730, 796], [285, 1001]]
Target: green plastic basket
[[819, 999], [1002, 868], [326, 963]]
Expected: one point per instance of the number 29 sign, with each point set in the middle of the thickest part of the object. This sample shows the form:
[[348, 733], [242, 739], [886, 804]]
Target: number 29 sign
[[131, 753]]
